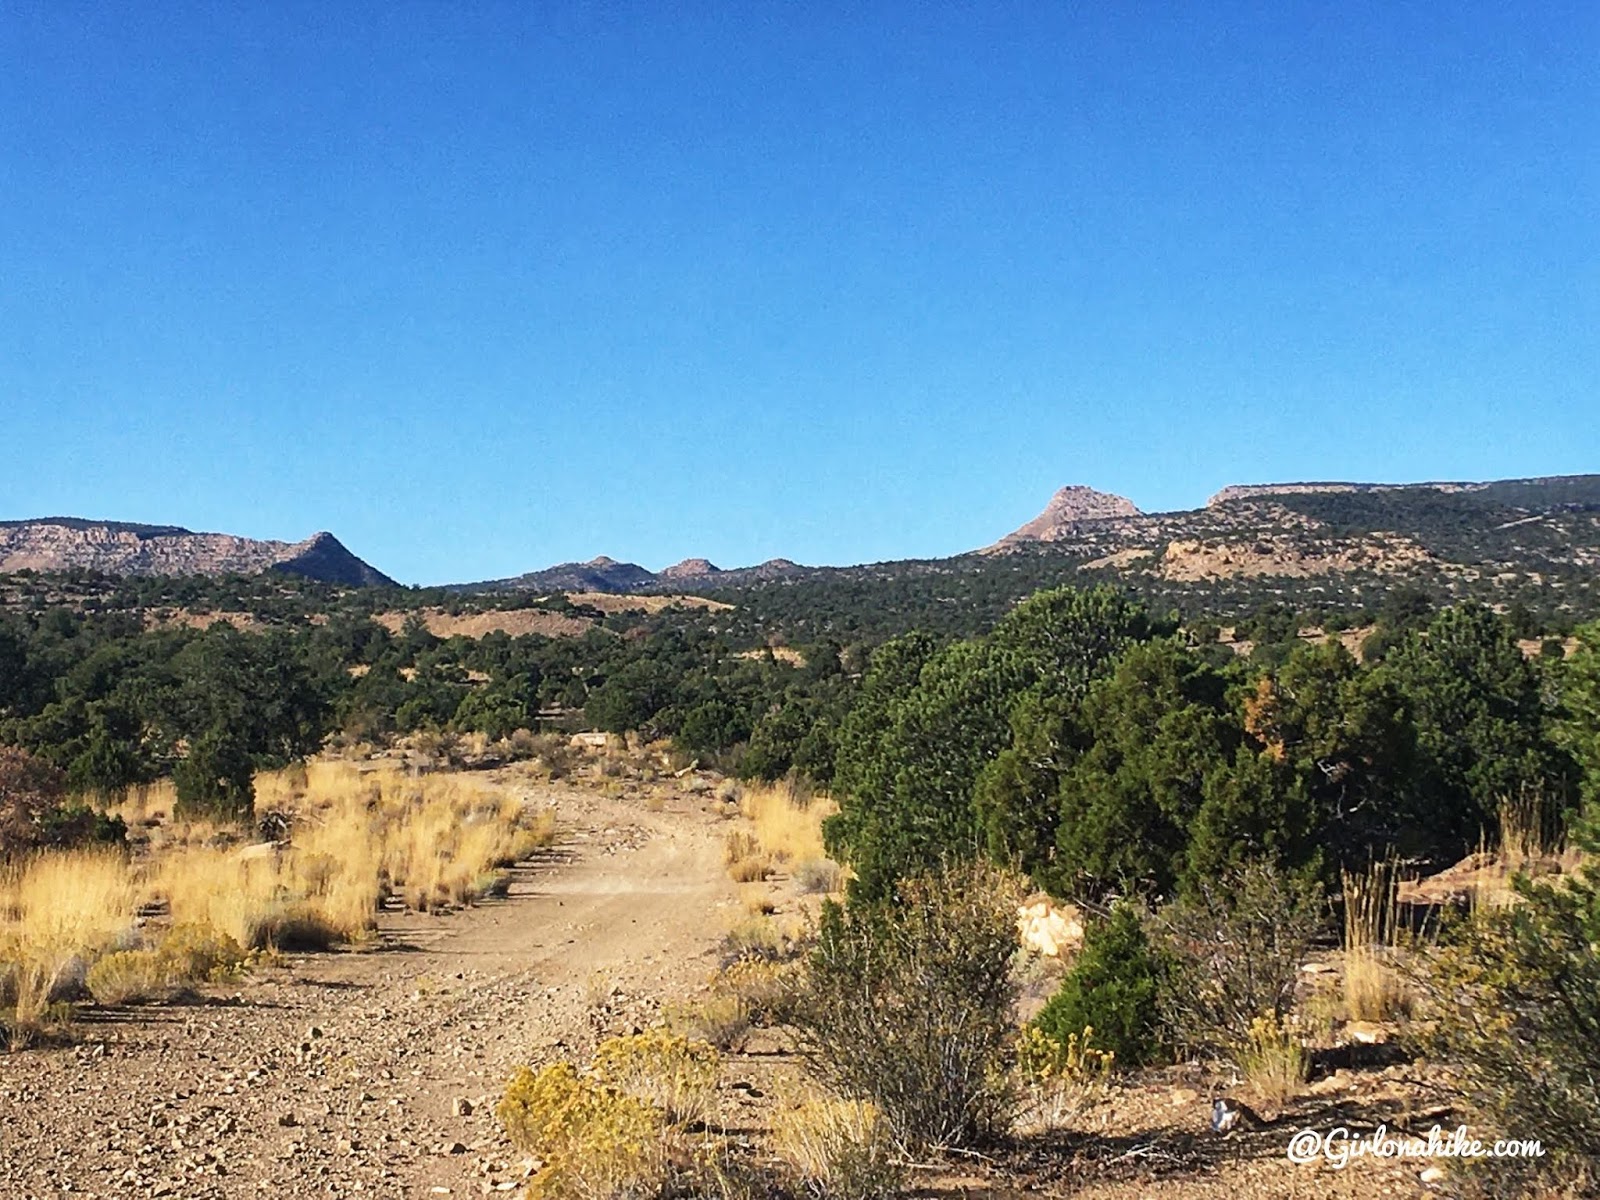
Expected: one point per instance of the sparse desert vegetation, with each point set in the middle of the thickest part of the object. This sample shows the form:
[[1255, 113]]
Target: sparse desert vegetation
[[352, 839], [1308, 885]]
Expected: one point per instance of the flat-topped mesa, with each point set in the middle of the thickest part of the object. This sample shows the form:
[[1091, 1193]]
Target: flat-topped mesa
[[690, 568], [1069, 508], [1251, 491]]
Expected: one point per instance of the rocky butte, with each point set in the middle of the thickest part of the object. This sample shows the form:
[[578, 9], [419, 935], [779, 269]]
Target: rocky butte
[[1068, 509]]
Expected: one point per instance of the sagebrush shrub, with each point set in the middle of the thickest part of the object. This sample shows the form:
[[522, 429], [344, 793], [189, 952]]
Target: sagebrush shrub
[[128, 976], [1234, 947], [818, 876], [188, 954], [909, 1004]]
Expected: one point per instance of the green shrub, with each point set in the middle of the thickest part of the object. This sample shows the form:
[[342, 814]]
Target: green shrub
[[908, 1004], [35, 811], [1112, 989], [1514, 1000]]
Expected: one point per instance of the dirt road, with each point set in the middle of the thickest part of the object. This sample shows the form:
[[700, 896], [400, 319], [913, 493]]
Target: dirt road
[[375, 1073]]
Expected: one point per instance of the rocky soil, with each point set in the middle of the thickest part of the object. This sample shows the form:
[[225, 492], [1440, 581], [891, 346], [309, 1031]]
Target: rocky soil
[[375, 1072]]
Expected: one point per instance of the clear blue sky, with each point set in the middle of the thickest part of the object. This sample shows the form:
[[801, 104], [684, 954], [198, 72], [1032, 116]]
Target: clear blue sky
[[483, 287]]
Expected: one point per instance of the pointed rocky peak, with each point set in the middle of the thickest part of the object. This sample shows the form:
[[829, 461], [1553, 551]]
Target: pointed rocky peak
[[1069, 508]]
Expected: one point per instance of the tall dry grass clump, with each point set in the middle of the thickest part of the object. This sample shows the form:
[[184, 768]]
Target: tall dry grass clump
[[355, 837], [444, 837], [837, 1148], [237, 894], [58, 910], [786, 819], [1374, 989], [1274, 1060]]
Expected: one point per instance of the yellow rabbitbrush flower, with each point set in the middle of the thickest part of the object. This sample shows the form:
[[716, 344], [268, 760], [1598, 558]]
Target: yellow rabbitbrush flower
[[1061, 1080], [1041, 1058], [664, 1069], [593, 1141]]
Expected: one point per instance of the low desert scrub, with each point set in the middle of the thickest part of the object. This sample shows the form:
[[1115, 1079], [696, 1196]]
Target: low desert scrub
[[738, 846], [764, 989], [1060, 1079], [58, 911], [187, 955], [818, 876], [717, 1019], [746, 863], [1274, 1061], [909, 1005], [758, 937], [836, 1149], [750, 992], [127, 977], [1374, 990], [1528, 841], [664, 1069], [614, 1130], [593, 1142], [1233, 950]]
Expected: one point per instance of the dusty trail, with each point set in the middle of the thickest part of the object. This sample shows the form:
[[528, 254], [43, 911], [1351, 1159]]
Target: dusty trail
[[346, 1074]]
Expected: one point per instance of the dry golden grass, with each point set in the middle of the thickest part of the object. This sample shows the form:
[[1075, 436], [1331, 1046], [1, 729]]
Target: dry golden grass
[[357, 836], [1527, 842], [836, 1147], [750, 870], [1374, 989], [1274, 1061], [57, 909], [787, 820], [220, 889]]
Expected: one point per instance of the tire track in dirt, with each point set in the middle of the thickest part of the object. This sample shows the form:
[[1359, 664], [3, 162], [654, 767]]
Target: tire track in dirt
[[343, 1074]]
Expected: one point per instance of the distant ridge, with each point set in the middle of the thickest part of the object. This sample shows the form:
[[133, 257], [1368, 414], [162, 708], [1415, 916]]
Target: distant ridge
[[608, 575], [129, 548], [1332, 527]]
